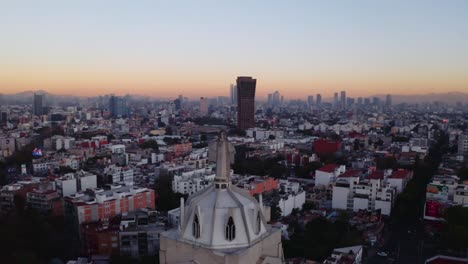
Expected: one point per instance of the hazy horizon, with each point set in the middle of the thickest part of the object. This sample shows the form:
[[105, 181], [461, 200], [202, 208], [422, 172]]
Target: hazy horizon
[[164, 49]]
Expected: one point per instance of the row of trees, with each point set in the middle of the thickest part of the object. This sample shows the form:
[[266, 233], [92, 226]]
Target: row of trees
[[317, 239]]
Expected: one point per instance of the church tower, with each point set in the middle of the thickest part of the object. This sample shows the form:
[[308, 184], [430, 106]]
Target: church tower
[[222, 224]]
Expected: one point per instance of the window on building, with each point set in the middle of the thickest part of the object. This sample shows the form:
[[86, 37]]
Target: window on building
[[230, 232], [196, 227]]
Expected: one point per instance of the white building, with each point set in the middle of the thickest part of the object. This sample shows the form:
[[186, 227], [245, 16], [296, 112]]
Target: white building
[[222, 224], [291, 201], [117, 149], [122, 175], [463, 144], [263, 134], [461, 195], [399, 178], [328, 173], [193, 181], [346, 255], [72, 183], [352, 193]]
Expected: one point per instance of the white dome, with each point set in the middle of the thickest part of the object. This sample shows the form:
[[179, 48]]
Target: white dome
[[213, 208]]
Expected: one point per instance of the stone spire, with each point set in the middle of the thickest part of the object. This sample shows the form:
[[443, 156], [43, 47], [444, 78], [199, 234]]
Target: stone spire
[[223, 159]]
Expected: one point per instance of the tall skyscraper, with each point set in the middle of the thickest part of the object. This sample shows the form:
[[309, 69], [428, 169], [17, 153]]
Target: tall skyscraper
[[376, 101], [310, 100], [270, 99], [359, 101], [343, 99], [335, 100], [319, 100], [178, 104], [38, 104], [388, 100], [118, 106], [246, 102], [276, 97], [203, 106], [233, 94]]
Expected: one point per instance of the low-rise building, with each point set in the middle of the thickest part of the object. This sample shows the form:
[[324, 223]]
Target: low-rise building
[[328, 173], [139, 233], [46, 201], [351, 255], [373, 193], [258, 185], [98, 204]]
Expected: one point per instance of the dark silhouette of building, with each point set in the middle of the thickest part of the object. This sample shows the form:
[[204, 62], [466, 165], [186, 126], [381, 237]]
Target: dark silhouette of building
[[343, 99], [118, 106], [178, 104], [388, 100], [38, 104], [246, 102]]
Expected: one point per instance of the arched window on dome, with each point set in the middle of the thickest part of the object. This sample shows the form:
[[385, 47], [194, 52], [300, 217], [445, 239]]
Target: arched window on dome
[[259, 223], [196, 227], [230, 232]]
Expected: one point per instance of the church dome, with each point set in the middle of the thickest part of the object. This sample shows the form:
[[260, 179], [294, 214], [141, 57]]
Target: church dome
[[222, 216]]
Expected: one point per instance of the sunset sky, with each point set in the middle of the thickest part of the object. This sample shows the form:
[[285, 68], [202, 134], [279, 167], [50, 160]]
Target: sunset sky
[[197, 48]]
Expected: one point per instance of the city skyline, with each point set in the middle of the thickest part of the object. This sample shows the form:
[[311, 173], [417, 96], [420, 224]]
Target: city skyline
[[165, 49]]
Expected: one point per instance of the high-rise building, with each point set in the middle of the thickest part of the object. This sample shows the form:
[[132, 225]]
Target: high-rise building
[[118, 106], [276, 97], [388, 100], [343, 99], [359, 101], [310, 100], [203, 106], [319, 99], [246, 102], [38, 105], [335, 100], [4, 117], [270, 99], [376, 101], [178, 104], [233, 94]]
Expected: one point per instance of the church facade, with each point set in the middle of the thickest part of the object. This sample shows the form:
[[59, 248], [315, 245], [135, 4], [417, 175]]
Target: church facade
[[222, 224]]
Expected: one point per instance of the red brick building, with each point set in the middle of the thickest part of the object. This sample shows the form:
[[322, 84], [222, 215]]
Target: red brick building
[[104, 204], [326, 147]]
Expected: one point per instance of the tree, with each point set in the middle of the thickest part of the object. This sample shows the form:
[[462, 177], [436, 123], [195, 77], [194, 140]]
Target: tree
[[463, 174], [308, 207], [457, 228], [166, 199], [152, 144], [275, 213], [271, 137], [203, 137]]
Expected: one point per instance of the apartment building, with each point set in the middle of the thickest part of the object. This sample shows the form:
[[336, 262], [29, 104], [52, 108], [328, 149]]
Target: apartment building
[[350, 192], [98, 204]]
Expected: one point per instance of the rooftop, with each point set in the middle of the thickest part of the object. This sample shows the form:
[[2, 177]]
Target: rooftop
[[329, 168], [350, 173], [376, 175]]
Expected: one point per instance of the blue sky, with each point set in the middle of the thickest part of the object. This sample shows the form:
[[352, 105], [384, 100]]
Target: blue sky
[[198, 47]]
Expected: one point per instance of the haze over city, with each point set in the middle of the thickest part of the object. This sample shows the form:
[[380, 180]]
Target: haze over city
[[197, 48]]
